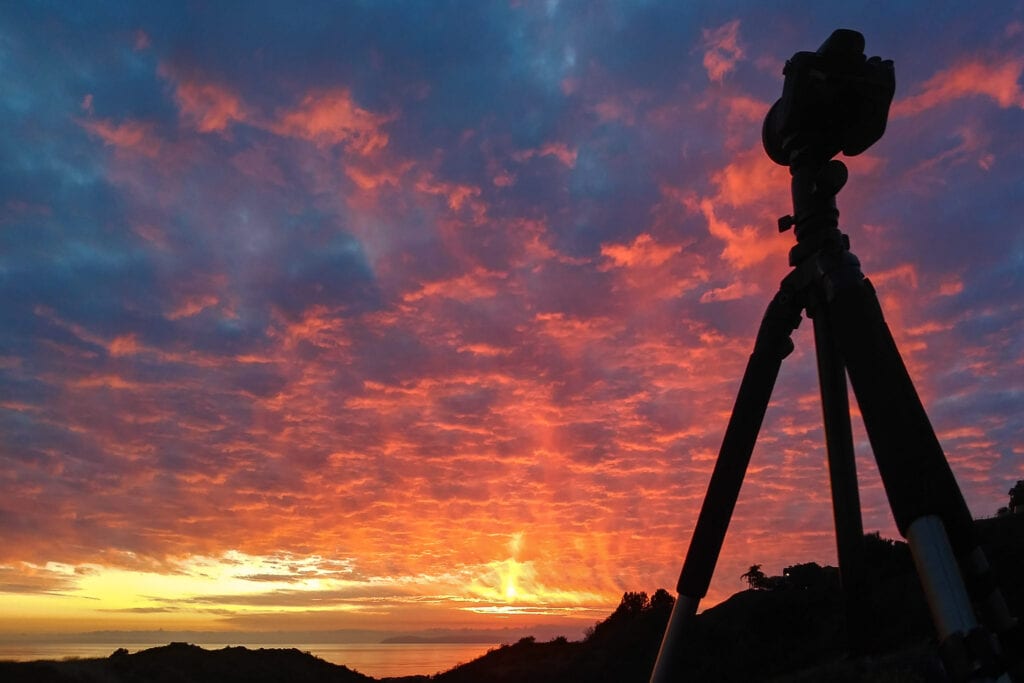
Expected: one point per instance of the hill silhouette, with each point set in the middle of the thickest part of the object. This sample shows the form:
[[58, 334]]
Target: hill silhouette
[[184, 663], [789, 630]]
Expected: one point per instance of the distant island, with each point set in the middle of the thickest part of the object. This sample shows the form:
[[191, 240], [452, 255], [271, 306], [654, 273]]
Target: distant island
[[785, 629]]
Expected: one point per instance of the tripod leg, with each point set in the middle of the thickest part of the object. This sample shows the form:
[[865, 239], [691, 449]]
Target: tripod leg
[[919, 484], [772, 346], [842, 468]]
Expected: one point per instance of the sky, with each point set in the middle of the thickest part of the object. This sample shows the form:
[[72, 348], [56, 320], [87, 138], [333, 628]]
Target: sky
[[431, 314]]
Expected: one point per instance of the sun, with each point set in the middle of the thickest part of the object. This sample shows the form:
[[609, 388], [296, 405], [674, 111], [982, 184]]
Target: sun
[[509, 582]]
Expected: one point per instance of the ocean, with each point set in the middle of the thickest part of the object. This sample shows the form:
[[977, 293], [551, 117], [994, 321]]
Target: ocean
[[373, 659]]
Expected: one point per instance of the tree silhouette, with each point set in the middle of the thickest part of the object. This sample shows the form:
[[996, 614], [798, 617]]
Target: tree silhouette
[[754, 577], [1017, 495], [806, 575], [633, 603]]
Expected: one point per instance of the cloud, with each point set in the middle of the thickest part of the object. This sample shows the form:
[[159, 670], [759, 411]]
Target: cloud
[[331, 117], [745, 246], [28, 578], [132, 137], [997, 79], [209, 107], [644, 251], [558, 150], [735, 290], [205, 103], [722, 49], [751, 178]]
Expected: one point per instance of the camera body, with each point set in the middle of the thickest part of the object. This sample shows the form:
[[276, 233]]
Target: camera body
[[833, 100]]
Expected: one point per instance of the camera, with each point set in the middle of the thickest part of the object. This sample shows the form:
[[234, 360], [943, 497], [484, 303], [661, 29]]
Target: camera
[[833, 100]]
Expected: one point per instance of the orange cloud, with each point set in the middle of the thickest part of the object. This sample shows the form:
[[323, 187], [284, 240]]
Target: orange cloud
[[723, 50], [995, 79], [331, 118], [125, 345], [209, 106], [735, 290], [372, 177], [105, 381], [478, 284], [558, 150], [318, 326], [903, 275], [193, 305], [973, 141], [614, 109], [131, 136], [456, 195], [746, 108], [752, 177], [744, 246], [951, 287], [644, 251]]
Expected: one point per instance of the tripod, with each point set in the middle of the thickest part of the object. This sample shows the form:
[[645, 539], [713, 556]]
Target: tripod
[[852, 338]]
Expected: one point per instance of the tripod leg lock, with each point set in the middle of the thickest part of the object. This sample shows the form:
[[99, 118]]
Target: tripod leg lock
[[778, 323]]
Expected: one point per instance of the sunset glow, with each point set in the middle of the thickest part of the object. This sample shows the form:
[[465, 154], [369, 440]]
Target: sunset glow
[[410, 315]]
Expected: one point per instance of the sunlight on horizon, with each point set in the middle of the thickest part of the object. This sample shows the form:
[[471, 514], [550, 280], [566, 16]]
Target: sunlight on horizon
[[202, 591]]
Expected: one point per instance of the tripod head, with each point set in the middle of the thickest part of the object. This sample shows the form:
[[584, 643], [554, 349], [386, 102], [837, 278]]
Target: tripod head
[[833, 100]]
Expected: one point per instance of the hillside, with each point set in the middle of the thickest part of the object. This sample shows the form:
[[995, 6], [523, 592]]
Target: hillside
[[184, 663]]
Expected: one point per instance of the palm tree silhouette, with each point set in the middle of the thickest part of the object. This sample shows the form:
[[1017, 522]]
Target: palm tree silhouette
[[754, 577]]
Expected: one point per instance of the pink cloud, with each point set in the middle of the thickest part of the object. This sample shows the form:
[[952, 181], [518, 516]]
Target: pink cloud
[[751, 177], [125, 345], [318, 326], [735, 290], [193, 306], [997, 79], [369, 176], [152, 234], [210, 107], [456, 195], [722, 49], [643, 251], [951, 287], [559, 150], [141, 40], [477, 284], [614, 109], [134, 137], [972, 147], [258, 163], [503, 178], [332, 117], [744, 109], [745, 246]]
